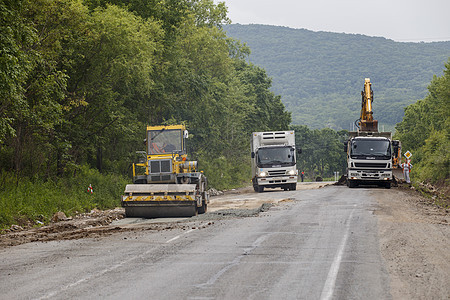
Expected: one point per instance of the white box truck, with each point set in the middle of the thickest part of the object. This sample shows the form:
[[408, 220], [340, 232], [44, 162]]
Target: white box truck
[[273, 160]]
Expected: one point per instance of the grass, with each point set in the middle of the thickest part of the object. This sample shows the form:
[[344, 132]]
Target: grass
[[27, 201], [32, 202]]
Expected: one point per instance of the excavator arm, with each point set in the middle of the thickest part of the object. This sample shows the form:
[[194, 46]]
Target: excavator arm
[[367, 123]]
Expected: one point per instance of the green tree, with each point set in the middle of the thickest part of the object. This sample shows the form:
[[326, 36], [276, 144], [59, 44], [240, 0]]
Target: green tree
[[15, 37], [112, 82], [88, 78], [45, 29], [322, 151], [425, 131]]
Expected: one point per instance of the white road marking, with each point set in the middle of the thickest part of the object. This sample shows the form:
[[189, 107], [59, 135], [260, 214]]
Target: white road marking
[[178, 236], [329, 286]]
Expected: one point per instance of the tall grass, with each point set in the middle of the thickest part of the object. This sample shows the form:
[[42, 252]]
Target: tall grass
[[30, 200]]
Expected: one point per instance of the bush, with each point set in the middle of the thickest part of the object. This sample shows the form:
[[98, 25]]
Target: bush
[[434, 164], [29, 200]]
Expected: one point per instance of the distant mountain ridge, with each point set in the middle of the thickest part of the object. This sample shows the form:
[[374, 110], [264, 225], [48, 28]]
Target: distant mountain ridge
[[320, 75]]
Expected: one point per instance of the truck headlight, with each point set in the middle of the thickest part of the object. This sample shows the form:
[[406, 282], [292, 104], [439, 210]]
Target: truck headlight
[[291, 172], [262, 174]]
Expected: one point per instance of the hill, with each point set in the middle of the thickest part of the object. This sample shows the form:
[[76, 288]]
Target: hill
[[320, 75]]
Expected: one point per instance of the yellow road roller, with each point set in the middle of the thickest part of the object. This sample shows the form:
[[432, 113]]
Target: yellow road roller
[[168, 185]]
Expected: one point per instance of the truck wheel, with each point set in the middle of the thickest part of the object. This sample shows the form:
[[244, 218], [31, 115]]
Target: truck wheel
[[260, 189], [255, 185], [351, 183], [387, 185], [293, 186]]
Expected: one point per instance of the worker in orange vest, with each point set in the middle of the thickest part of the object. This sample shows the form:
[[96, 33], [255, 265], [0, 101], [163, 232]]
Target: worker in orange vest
[[406, 166]]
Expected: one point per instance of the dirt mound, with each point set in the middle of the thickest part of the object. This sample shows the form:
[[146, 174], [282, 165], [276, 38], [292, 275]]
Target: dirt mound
[[62, 227]]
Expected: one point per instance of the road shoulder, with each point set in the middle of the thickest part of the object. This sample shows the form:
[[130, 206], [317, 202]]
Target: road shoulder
[[414, 242]]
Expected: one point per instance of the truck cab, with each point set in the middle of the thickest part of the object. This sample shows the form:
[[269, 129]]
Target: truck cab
[[273, 160], [369, 160]]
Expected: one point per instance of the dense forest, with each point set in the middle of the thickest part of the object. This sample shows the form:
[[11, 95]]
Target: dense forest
[[320, 74], [80, 80]]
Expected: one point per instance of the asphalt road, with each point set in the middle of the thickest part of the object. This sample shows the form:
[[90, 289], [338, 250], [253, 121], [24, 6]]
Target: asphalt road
[[316, 244]]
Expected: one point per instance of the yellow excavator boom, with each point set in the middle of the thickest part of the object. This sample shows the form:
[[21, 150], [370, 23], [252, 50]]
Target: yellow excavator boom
[[367, 123]]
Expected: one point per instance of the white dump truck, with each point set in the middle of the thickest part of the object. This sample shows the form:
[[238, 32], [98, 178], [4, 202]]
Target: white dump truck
[[371, 155], [273, 160], [370, 158]]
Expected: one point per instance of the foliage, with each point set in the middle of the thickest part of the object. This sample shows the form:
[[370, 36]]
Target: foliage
[[425, 131], [320, 75], [322, 151], [80, 80], [35, 199], [14, 65], [224, 173]]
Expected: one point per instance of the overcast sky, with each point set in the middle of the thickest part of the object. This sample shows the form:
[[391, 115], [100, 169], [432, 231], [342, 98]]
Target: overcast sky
[[400, 20]]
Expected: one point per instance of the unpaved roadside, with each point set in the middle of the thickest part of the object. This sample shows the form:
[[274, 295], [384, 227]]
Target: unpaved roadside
[[415, 243], [228, 201], [99, 223]]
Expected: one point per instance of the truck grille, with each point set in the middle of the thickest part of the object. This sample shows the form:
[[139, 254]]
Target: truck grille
[[277, 173], [371, 165], [160, 166]]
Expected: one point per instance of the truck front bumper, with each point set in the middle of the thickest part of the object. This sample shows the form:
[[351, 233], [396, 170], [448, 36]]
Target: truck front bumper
[[277, 181], [370, 175]]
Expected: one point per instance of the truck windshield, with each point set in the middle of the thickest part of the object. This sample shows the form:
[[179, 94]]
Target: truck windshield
[[282, 156], [375, 148], [164, 141]]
